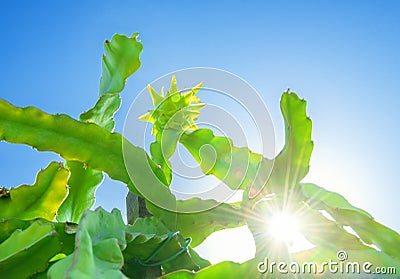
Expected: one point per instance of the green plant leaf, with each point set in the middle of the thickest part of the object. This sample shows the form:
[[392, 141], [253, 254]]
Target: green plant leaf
[[145, 237], [100, 239], [320, 198], [221, 270], [323, 232], [103, 111], [160, 158], [82, 183], [33, 247], [39, 200], [40, 275], [370, 231], [239, 168], [189, 260], [74, 140], [120, 61], [199, 225], [202, 263], [8, 226], [292, 163], [290, 166], [359, 220], [65, 231], [107, 242]]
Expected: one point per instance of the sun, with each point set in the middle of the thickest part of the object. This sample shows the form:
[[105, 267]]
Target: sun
[[284, 227]]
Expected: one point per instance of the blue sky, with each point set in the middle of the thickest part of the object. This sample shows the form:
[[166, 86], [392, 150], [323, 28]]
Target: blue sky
[[341, 56]]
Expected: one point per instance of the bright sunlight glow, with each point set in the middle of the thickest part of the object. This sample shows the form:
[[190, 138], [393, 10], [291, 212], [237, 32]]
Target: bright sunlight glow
[[285, 227], [238, 245]]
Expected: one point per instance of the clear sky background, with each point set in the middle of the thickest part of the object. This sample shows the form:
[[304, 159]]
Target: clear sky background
[[341, 56]]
